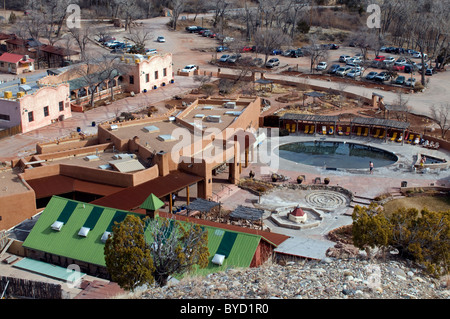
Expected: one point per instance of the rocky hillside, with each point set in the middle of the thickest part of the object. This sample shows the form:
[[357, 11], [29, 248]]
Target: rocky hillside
[[331, 278]]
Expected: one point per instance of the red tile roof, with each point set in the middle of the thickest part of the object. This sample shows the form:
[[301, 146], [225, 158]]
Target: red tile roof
[[13, 58], [298, 212]]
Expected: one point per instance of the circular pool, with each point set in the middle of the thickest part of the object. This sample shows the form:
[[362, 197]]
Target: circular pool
[[336, 155]]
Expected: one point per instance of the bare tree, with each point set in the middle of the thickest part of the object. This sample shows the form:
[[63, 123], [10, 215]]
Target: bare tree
[[441, 115], [139, 36], [317, 53], [268, 40], [177, 9]]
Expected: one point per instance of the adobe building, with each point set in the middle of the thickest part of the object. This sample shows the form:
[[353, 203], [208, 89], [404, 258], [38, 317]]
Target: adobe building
[[127, 160], [27, 105], [16, 63]]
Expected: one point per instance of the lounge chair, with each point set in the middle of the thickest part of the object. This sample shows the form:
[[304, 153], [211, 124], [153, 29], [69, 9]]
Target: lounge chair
[[417, 140], [394, 136], [431, 145], [324, 130], [293, 128], [348, 130], [426, 143], [307, 129], [410, 139], [340, 132], [288, 127], [331, 130], [436, 145], [377, 133], [399, 138], [312, 129], [383, 135], [366, 131], [359, 131]]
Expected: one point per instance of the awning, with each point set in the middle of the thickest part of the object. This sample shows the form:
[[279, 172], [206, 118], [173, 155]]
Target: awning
[[133, 197]]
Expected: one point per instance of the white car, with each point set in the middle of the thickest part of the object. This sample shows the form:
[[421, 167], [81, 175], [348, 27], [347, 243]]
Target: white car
[[389, 60], [344, 58], [410, 82], [273, 62], [224, 58], [322, 66], [343, 70], [418, 55], [161, 39], [353, 73], [189, 68]]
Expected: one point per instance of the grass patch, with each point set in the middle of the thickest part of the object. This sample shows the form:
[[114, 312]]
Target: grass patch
[[433, 203]]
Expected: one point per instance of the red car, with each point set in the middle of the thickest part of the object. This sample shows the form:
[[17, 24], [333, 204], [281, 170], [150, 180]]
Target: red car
[[399, 67], [246, 49], [380, 58]]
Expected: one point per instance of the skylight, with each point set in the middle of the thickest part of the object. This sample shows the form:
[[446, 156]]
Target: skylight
[[84, 231], [57, 225]]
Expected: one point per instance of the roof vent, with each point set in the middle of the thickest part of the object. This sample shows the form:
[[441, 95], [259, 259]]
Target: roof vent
[[57, 225], [218, 259], [84, 231], [105, 236]]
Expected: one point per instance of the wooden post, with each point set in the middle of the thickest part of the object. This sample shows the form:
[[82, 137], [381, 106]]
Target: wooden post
[[170, 203], [187, 195]]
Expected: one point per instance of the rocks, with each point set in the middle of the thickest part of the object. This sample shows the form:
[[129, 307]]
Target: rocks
[[330, 278]]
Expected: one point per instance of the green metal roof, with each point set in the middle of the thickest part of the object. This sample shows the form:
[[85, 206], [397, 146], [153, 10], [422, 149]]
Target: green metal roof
[[67, 242], [152, 203], [239, 248]]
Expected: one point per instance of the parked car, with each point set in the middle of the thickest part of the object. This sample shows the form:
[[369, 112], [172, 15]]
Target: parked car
[[246, 49], [382, 76], [106, 38], [161, 39], [429, 71], [321, 66], [193, 29], [224, 58], [398, 67], [401, 61], [117, 51], [333, 68], [273, 62], [400, 80], [418, 55], [389, 60], [380, 58], [151, 51], [334, 46], [257, 61], [409, 68], [353, 73], [344, 58], [354, 60], [189, 68], [410, 82], [221, 48], [234, 58], [297, 53], [419, 66], [342, 71], [371, 75], [287, 52], [276, 52]]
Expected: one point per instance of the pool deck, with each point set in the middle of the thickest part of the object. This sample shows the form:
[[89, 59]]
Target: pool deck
[[312, 243]]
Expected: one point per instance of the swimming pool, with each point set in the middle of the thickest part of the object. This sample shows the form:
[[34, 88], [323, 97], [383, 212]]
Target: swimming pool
[[336, 155]]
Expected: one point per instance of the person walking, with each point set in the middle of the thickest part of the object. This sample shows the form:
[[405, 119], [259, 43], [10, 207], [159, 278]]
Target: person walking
[[371, 167]]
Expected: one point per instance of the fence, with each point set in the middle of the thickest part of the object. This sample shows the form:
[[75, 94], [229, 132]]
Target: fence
[[23, 288], [10, 131]]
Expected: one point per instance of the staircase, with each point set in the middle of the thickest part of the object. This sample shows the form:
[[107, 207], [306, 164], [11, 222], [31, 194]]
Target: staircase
[[361, 201]]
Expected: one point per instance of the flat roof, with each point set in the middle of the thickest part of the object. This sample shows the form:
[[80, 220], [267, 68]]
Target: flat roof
[[309, 117], [48, 270], [14, 85], [380, 122]]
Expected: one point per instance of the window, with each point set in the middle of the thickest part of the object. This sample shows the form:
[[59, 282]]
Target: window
[[156, 75], [131, 79], [46, 111], [30, 117], [165, 72], [61, 106], [4, 117], [147, 78]]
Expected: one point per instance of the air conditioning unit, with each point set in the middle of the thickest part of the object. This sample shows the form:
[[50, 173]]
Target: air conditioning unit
[[84, 231], [218, 259], [57, 225], [105, 236]]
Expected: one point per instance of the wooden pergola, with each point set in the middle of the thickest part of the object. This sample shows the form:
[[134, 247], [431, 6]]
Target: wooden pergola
[[381, 123], [248, 213], [308, 118]]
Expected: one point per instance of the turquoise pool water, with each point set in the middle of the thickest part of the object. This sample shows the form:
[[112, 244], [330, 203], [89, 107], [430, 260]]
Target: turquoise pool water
[[334, 155]]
